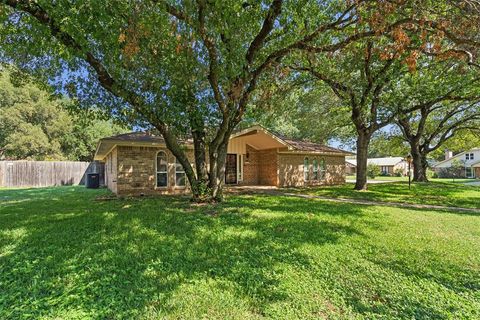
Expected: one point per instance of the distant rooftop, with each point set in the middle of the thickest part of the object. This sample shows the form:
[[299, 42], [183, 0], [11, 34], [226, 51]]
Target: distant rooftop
[[387, 161]]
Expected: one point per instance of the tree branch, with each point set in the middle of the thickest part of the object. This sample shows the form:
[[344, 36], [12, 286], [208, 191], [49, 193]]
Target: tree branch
[[257, 43]]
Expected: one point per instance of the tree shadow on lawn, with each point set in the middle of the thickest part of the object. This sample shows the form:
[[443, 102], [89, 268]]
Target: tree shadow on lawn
[[434, 193], [114, 259]]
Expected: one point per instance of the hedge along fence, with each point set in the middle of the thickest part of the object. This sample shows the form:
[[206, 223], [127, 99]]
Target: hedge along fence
[[47, 173]]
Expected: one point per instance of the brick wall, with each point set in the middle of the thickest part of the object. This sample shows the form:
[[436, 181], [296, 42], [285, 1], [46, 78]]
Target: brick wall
[[477, 173], [268, 167], [291, 170], [137, 171], [111, 171], [250, 167]]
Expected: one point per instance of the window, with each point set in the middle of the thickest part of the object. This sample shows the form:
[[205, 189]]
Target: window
[[323, 169], [179, 174], [305, 169], [469, 172], [315, 169], [469, 156], [162, 175], [384, 169]]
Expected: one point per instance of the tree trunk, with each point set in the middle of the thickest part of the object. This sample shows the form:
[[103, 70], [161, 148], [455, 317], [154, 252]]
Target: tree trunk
[[217, 173], [363, 139], [419, 160]]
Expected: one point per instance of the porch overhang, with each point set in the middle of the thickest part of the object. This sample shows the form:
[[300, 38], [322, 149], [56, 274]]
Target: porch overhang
[[259, 139]]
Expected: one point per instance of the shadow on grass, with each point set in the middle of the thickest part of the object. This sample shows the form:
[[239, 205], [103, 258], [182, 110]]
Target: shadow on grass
[[62, 250], [433, 193]]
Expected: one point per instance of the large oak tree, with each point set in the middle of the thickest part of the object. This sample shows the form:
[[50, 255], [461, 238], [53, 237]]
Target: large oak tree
[[183, 67], [367, 74]]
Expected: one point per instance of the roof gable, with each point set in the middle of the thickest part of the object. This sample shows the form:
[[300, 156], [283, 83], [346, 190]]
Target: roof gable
[[459, 155]]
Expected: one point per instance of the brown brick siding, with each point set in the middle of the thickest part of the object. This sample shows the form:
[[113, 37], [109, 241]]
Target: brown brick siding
[[137, 171], [291, 170], [268, 167], [477, 173], [250, 167], [134, 170]]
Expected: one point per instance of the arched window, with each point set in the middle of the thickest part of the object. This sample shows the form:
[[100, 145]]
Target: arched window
[[162, 173], [315, 169], [323, 169], [305, 169], [179, 174]]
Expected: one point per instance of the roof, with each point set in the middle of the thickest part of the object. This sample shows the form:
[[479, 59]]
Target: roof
[[136, 136], [457, 156], [311, 146], [387, 161], [106, 145], [139, 138], [291, 144]]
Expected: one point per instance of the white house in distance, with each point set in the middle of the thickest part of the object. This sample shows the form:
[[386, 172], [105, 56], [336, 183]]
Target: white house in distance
[[469, 159], [387, 165]]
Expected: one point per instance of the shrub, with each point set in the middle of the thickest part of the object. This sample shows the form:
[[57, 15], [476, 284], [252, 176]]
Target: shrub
[[373, 170], [398, 172]]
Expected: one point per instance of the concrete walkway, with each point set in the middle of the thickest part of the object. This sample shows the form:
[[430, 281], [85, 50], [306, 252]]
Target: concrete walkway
[[475, 183], [371, 181]]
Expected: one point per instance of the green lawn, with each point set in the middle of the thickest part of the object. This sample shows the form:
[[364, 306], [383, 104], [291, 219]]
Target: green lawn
[[64, 255], [433, 193], [405, 179]]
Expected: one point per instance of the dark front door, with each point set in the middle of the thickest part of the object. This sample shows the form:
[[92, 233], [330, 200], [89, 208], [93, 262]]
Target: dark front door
[[231, 169]]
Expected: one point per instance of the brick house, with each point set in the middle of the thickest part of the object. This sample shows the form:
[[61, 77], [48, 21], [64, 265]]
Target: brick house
[[139, 163], [388, 166]]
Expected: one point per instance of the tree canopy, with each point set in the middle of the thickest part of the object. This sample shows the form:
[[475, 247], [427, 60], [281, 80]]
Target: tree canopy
[[194, 67], [36, 125]]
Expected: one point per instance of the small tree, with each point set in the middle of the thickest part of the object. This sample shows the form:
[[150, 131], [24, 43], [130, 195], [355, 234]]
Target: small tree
[[373, 170], [457, 168]]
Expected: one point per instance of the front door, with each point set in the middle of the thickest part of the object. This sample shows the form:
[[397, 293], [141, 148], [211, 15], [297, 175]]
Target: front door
[[231, 169]]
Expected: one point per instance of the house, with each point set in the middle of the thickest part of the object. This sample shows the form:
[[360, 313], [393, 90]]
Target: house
[[140, 163], [388, 165], [469, 160], [350, 167]]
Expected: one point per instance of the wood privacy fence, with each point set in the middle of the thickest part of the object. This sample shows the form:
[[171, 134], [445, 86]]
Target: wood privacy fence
[[47, 173]]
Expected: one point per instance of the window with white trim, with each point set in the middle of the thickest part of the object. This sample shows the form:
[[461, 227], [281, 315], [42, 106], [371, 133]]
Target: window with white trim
[[180, 178], [469, 172], [315, 169], [162, 169], [305, 169]]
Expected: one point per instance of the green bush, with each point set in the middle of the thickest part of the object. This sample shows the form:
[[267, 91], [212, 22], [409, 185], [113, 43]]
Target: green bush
[[398, 172], [373, 170]]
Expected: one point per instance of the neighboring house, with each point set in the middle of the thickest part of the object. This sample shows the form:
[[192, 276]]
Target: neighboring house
[[350, 167], [140, 163], [388, 165], [470, 160]]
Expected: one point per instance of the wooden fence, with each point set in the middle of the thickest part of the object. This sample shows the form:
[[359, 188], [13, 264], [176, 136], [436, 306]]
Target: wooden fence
[[47, 173]]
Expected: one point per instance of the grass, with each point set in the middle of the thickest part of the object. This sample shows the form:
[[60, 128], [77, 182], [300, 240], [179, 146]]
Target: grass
[[432, 193], [405, 179], [64, 255]]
